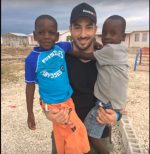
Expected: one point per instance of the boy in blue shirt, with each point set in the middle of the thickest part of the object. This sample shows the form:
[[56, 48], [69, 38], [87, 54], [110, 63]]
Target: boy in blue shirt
[[46, 66]]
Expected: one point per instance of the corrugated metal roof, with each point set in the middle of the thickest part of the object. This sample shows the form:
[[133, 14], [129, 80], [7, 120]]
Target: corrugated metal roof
[[63, 31], [18, 34], [131, 29], [31, 34]]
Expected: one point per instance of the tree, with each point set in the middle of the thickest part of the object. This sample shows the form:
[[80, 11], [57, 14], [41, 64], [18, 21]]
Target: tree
[[69, 38]]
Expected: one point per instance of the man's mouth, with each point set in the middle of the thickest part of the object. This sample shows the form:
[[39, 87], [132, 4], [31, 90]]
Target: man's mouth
[[83, 41]]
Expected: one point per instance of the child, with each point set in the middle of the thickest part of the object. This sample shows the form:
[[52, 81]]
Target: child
[[46, 66], [111, 85]]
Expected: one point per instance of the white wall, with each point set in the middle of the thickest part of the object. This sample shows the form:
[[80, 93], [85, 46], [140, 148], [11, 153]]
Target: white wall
[[139, 43]]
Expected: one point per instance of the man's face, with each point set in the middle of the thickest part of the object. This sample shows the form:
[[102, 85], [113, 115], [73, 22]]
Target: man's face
[[45, 33], [83, 32]]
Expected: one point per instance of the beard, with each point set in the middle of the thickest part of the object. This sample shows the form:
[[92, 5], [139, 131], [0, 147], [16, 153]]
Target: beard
[[84, 48]]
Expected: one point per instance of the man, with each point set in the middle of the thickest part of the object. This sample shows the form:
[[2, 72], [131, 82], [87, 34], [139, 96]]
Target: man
[[82, 73]]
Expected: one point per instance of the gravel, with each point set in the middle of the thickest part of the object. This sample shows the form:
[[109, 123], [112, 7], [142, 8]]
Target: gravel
[[16, 138]]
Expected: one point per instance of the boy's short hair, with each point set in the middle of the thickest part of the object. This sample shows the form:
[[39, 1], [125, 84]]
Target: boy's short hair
[[46, 17], [83, 10], [117, 17]]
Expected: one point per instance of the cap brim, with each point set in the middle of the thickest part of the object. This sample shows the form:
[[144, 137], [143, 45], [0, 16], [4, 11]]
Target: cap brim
[[73, 20]]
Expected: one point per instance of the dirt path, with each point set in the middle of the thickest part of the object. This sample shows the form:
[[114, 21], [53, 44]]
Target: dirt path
[[18, 139]]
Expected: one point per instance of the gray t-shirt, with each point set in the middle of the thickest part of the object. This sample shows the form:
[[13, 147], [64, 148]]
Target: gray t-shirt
[[112, 79]]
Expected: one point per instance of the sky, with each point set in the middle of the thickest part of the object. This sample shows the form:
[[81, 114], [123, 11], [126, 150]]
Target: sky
[[18, 16]]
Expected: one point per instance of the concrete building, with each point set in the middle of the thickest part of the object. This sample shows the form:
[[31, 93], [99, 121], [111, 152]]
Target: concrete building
[[139, 37], [14, 39], [31, 40]]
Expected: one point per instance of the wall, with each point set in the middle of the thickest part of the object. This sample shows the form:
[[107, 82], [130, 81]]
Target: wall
[[139, 43]]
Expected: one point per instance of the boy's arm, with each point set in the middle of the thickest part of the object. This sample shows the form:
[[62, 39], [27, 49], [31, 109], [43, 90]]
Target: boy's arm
[[30, 89]]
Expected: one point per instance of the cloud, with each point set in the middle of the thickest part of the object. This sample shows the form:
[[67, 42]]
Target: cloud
[[135, 18], [17, 14]]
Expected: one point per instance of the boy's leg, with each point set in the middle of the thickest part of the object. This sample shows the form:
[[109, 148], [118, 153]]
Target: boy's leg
[[98, 145], [53, 144], [110, 130], [105, 140]]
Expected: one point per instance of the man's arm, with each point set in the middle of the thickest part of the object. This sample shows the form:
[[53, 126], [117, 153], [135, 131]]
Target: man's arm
[[109, 116], [58, 116], [30, 89]]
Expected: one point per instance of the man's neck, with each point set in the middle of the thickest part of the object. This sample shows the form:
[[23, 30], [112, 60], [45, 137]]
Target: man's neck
[[88, 50]]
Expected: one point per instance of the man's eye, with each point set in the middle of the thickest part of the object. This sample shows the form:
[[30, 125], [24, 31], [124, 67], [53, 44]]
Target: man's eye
[[89, 27], [77, 27]]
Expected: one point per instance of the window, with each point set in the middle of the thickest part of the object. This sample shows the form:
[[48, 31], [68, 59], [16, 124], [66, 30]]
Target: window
[[144, 37], [137, 37]]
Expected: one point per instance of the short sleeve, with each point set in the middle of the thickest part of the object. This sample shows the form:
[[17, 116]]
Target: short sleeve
[[105, 56], [30, 71], [66, 46], [112, 54]]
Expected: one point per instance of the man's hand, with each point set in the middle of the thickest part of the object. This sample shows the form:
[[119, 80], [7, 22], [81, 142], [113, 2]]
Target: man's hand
[[58, 116], [106, 116], [31, 121]]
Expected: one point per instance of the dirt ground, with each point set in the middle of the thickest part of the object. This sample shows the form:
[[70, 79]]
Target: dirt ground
[[18, 139]]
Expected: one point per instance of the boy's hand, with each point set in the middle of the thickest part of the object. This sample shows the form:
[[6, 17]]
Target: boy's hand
[[97, 46], [31, 121]]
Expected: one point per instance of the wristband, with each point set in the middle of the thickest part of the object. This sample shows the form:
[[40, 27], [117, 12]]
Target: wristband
[[119, 115]]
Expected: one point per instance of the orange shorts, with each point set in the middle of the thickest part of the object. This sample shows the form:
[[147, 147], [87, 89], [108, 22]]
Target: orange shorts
[[69, 141]]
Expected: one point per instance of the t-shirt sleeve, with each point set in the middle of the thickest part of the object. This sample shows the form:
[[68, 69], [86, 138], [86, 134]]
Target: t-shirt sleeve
[[105, 56], [66, 46], [30, 74], [111, 55]]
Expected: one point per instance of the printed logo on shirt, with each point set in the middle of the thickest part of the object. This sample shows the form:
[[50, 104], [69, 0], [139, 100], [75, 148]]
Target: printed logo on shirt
[[62, 68], [52, 54], [51, 75]]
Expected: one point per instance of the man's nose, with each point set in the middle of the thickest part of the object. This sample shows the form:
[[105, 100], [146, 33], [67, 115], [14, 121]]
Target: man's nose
[[83, 33]]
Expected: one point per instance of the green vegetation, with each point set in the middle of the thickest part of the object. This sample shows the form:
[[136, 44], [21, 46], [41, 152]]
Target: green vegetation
[[69, 38]]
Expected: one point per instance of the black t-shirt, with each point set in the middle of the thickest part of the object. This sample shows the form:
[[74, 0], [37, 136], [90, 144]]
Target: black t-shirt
[[82, 77]]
